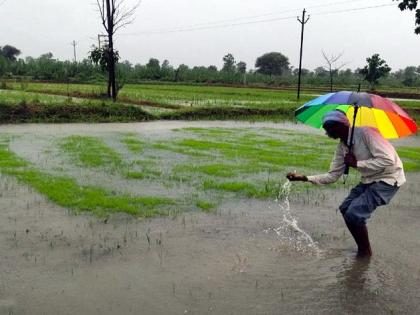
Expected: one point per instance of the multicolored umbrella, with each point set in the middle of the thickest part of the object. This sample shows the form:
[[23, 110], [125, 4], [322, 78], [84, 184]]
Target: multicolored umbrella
[[363, 109]]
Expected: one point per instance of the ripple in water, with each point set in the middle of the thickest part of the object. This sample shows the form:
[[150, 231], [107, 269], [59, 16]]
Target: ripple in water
[[289, 232]]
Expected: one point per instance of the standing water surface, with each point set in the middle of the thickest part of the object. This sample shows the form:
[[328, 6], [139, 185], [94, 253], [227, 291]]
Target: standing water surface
[[252, 256]]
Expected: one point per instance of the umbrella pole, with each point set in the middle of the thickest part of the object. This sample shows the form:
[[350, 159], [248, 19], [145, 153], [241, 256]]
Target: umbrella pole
[[356, 108]]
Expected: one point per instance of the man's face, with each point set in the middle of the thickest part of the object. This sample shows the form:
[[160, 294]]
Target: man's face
[[332, 130]]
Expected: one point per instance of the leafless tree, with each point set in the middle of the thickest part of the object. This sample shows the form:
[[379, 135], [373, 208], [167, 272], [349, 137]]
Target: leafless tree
[[332, 67], [114, 15]]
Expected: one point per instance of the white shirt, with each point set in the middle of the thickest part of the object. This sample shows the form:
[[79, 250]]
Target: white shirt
[[376, 158]]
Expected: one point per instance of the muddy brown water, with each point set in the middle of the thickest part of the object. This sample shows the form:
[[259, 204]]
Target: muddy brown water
[[244, 260]]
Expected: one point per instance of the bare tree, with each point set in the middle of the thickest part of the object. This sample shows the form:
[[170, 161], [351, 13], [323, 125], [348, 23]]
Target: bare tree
[[332, 66], [114, 15]]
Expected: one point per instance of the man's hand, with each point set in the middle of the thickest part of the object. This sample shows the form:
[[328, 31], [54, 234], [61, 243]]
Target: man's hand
[[293, 177], [350, 160]]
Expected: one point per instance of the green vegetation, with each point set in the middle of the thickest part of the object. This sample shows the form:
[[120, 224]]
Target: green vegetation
[[90, 152], [39, 102], [132, 143], [410, 157], [204, 205], [65, 192], [18, 107], [201, 167]]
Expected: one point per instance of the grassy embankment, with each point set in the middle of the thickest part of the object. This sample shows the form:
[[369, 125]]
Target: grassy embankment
[[78, 102], [194, 168], [50, 102]]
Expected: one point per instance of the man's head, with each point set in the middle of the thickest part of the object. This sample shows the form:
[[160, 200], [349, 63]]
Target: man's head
[[336, 124]]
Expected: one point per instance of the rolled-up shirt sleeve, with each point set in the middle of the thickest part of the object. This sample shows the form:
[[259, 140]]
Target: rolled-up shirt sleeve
[[383, 154], [337, 167]]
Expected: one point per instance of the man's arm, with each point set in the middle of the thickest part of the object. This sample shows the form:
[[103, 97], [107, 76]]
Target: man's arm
[[336, 170], [337, 167]]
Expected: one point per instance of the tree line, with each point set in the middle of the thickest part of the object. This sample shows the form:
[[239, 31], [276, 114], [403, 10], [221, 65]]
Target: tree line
[[270, 69]]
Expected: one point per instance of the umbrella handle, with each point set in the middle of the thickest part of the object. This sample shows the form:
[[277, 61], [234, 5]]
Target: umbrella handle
[[347, 168]]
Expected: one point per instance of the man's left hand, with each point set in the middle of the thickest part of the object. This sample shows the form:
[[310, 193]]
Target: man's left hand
[[350, 160]]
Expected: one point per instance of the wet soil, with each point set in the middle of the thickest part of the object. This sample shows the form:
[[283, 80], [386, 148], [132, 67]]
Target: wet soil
[[232, 262]]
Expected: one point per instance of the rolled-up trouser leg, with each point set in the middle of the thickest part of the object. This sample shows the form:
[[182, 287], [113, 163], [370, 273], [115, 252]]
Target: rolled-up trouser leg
[[364, 199], [358, 207], [354, 193]]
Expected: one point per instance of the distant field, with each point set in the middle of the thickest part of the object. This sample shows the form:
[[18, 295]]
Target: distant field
[[173, 101], [178, 95]]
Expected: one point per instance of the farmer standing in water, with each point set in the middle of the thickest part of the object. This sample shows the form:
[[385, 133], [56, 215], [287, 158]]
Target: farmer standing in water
[[381, 171]]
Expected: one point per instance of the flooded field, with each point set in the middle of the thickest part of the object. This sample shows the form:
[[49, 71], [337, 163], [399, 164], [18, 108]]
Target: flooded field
[[233, 236]]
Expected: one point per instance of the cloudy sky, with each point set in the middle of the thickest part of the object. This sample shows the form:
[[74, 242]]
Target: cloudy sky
[[199, 32]]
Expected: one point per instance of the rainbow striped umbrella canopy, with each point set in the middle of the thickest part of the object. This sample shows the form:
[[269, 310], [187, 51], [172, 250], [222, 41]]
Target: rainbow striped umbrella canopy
[[372, 110]]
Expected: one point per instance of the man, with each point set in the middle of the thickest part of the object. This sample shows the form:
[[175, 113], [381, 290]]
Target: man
[[381, 171]]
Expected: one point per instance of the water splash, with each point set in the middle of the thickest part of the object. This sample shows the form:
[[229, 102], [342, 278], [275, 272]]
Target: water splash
[[289, 231]]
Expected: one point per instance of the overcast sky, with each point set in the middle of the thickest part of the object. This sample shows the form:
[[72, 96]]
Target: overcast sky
[[199, 32]]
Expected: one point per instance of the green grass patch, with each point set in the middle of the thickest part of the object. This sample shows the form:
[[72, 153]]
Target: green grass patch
[[241, 187], [65, 192], [133, 144], [204, 205], [90, 152], [24, 107], [84, 102], [197, 164], [410, 157]]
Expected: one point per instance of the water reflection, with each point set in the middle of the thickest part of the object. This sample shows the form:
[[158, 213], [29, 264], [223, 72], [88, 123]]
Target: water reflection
[[362, 285], [355, 276]]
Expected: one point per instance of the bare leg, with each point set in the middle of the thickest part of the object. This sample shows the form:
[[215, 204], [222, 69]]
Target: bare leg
[[361, 237], [362, 240]]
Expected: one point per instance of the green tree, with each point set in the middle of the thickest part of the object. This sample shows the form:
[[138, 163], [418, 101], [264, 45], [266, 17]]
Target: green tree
[[374, 70], [241, 67], [273, 63], [411, 5], [103, 58], [409, 76], [166, 70], [228, 63], [320, 72], [153, 69], [3, 66], [9, 52], [181, 73]]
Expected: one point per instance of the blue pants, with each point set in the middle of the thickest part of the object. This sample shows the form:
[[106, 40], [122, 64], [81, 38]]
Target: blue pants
[[364, 199]]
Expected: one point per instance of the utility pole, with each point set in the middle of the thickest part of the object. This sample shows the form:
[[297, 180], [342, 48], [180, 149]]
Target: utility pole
[[102, 39], [73, 43], [302, 22]]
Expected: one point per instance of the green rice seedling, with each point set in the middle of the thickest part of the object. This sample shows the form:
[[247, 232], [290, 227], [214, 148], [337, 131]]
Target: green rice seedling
[[133, 143], [205, 205], [65, 192], [218, 170], [410, 157], [90, 152], [241, 187]]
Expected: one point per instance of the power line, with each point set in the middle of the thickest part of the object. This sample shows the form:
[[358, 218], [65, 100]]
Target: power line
[[216, 25], [209, 27], [268, 14], [354, 9]]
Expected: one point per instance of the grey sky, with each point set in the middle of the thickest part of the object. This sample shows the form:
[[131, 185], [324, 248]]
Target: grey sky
[[37, 27]]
